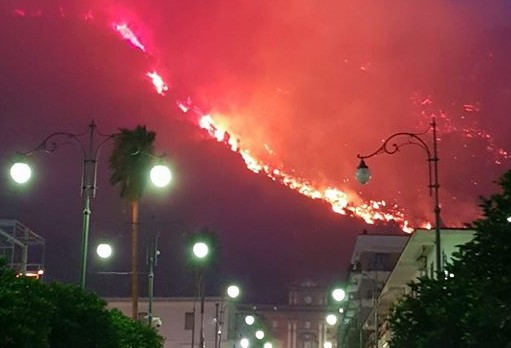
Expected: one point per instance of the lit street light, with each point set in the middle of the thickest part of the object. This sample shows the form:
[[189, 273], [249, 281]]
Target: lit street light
[[331, 319], [232, 292], [104, 250], [338, 294], [160, 175], [259, 334], [244, 342], [363, 174], [250, 320], [200, 250], [21, 172], [200, 255]]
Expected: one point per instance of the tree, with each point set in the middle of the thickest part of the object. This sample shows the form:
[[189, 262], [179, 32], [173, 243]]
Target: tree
[[130, 163], [134, 334], [79, 319], [469, 306], [24, 311], [38, 315]]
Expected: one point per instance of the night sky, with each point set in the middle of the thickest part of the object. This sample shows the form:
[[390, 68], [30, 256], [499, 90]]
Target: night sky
[[304, 88]]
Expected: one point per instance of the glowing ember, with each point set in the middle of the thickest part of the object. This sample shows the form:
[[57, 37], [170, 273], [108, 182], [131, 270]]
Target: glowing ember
[[128, 35], [160, 85]]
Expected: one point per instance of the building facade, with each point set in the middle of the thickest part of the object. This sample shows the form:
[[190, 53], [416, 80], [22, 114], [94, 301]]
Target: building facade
[[299, 324], [372, 261], [179, 320], [376, 282], [416, 260]]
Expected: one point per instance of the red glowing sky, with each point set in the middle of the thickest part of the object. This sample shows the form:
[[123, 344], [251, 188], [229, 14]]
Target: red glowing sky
[[304, 87]]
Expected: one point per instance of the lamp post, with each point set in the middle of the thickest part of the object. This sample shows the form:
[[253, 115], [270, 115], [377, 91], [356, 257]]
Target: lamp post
[[152, 260], [232, 293], [390, 146], [21, 173], [90, 154], [374, 300], [200, 251]]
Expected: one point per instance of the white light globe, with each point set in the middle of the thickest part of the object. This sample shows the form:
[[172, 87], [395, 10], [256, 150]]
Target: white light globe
[[327, 344], [268, 345], [338, 295], [259, 334], [249, 320], [233, 291], [331, 319], [200, 249], [20, 172], [160, 175], [104, 250], [244, 342]]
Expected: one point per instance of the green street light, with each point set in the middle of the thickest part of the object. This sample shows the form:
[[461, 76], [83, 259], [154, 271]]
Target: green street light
[[200, 250], [104, 250], [250, 320], [338, 294], [244, 342], [21, 172], [233, 291], [331, 319], [160, 175], [259, 334]]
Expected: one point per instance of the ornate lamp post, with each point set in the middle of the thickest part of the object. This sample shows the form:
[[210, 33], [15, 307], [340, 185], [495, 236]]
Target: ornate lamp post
[[21, 173], [90, 154], [390, 146]]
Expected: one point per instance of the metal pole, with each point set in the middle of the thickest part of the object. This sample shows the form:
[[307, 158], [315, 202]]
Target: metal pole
[[216, 326], [438, 248], [150, 289], [201, 339], [391, 148], [89, 170], [375, 305]]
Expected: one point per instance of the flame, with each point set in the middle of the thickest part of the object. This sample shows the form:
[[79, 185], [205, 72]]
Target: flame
[[159, 85], [128, 35], [341, 202]]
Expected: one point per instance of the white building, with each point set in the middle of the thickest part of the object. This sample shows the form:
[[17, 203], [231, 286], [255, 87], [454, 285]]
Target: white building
[[416, 260], [178, 320], [372, 261]]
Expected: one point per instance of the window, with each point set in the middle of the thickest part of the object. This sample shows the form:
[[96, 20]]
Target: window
[[189, 320]]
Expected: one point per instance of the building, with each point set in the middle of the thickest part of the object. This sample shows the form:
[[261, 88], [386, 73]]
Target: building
[[299, 324], [178, 320], [416, 260], [377, 281], [22, 248], [372, 261]]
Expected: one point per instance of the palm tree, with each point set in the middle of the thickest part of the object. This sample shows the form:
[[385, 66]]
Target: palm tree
[[130, 163]]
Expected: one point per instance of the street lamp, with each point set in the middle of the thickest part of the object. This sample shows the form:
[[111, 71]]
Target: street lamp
[[338, 294], [331, 319], [104, 250], [390, 147], [21, 173], [232, 292], [200, 253]]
